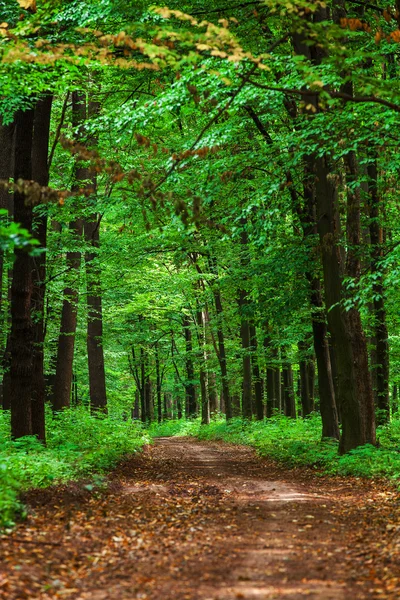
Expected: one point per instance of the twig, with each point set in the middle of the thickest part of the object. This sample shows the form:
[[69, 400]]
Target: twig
[[342, 95], [58, 132], [23, 541]]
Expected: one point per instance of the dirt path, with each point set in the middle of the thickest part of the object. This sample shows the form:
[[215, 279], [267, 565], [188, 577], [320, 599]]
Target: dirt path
[[206, 521]]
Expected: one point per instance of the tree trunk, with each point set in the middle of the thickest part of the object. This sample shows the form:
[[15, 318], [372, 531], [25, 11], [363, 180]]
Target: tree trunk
[[305, 392], [205, 403], [258, 385], [189, 386], [354, 382], [311, 380], [95, 350], [289, 398], [158, 384], [6, 171], [221, 342], [21, 340], [278, 389], [148, 399], [40, 172], [329, 416], [97, 376], [247, 411], [66, 342], [381, 331], [136, 406]]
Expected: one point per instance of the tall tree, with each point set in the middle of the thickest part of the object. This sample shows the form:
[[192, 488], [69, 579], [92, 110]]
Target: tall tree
[[21, 339]]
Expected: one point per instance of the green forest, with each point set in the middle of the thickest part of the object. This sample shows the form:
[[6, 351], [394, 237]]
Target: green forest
[[199, 258]]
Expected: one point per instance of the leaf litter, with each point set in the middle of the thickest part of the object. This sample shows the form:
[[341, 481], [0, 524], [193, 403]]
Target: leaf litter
[[189, 520]]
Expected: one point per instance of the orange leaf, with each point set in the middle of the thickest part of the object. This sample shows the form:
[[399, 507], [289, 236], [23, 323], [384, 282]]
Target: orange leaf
[[28, 4]]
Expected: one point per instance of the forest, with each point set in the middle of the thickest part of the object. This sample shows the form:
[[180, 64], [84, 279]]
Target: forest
[[199, 247]]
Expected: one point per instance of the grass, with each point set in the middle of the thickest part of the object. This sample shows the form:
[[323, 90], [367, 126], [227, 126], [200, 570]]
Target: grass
[[78, 445], [298, 443]]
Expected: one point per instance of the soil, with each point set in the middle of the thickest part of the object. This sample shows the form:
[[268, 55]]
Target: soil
[[189, 520]]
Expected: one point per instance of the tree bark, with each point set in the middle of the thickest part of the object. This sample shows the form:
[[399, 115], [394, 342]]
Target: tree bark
[[354, 382], [258, 384], [205, 403], [21, 339], [381, 330], [40, 172], [158, 384], [289, 398], [305, 392], [95, 350], [247, 411], [66, 342], [221, 342], [6, 171], [189, 386]]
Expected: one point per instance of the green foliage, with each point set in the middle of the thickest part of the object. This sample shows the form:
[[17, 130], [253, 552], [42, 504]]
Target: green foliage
[[12, 235], [298, 443], [78, 444]]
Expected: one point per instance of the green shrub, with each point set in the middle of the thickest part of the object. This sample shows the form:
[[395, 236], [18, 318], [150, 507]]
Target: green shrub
[[78, 444]]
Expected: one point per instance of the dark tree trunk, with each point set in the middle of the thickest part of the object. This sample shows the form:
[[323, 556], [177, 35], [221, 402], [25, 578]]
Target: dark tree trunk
[[158, 384], [221, 343], [278, 389], [61, 396], [95, 350], [247, 411], [148, 399], [381, 331], [271, 392], [190, 386], [21, 340], [305, 392], [354, 382], [66, 343], [329, 416], [311, 380], [258, 384], [40, 172], [6, 166], [142, 391], [205, 403], [289, 398], [212, 392], [6, 171], [165, 407], [97, 375]]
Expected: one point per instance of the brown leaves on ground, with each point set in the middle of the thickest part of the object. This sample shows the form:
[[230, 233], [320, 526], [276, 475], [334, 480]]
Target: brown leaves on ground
[[189, 520]]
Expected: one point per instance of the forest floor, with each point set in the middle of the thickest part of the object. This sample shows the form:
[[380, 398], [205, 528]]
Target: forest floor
[[189, 520]]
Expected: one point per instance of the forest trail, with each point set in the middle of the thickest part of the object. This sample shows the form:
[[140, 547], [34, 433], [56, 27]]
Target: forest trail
[[189, 520]]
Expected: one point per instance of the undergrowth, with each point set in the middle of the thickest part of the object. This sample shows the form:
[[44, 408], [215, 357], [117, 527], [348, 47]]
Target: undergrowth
[[78, 445], [297, 442]]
